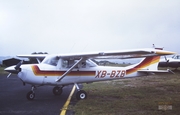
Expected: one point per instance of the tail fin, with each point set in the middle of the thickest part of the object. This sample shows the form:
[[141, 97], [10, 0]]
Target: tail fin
[[149, 63], [152, 62]]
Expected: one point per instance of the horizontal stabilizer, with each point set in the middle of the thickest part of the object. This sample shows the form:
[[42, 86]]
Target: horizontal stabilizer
[[156, 71]]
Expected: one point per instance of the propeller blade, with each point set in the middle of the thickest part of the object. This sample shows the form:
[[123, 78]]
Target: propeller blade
[[9, 75], [17, 67]]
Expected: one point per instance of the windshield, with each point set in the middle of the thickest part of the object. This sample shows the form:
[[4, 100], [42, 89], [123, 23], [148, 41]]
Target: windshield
[[51, 60]]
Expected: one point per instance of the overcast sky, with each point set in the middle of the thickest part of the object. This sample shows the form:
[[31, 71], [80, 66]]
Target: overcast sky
[[68, 26]]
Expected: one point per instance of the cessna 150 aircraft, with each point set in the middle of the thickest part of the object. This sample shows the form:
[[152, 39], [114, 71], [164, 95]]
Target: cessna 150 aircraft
[[65, 69]]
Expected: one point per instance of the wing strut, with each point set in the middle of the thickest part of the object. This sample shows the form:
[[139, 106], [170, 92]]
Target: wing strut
[[69, 70], [38, 60]]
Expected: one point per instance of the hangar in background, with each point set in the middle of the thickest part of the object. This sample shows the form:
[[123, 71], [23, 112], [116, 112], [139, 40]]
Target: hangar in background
[[10, 62], [15, 60]]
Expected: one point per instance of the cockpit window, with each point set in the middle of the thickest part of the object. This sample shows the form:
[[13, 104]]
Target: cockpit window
[[51, 60], [84, 64]]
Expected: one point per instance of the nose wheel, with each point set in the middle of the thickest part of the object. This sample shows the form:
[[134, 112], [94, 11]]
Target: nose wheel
[[57, 90], [31, 94]]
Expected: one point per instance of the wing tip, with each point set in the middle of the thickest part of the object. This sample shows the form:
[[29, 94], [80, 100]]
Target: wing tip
[[165, 52]]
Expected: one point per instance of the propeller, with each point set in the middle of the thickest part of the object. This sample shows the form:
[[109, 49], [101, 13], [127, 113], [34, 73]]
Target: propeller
[[17, 67], [13, 69]]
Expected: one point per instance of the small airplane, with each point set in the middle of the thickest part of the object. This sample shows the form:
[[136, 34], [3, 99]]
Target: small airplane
[[65, 69], [173, 62]]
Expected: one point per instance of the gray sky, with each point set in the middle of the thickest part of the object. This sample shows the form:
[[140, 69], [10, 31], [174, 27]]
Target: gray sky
[[68, 26]]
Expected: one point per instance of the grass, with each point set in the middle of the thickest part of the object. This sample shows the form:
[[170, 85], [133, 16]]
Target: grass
[[135, 96], [2, 70]]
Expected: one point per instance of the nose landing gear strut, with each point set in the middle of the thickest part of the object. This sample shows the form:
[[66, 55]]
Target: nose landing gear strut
[[31, 94]]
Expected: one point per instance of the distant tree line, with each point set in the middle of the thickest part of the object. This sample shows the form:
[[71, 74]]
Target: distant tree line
[[39, 53]]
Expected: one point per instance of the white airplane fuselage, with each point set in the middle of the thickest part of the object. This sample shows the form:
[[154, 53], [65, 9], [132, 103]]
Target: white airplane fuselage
[[63, 70], [43, 74]]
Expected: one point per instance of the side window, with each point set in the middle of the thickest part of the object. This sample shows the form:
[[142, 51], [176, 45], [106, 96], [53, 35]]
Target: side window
[[83, 64], [68, 63], [64, 63], [71, 63]]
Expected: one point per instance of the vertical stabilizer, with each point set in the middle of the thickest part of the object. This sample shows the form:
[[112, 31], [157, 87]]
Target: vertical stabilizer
[[150, 63], [147, 64]]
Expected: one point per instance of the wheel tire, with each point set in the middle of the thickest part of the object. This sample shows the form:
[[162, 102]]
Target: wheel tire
[[30, 95], [57, 90], [80, 95]]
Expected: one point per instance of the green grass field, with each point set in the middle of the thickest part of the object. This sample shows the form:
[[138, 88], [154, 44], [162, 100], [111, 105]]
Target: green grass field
[[135, 96]]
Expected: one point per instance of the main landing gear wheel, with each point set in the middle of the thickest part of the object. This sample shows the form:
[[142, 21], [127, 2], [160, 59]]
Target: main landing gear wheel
[[80, 95], [30, 95], [57, 90]]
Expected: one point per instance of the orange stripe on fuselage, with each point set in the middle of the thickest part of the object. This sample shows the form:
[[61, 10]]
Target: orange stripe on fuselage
[[39, 72], [146, 62]]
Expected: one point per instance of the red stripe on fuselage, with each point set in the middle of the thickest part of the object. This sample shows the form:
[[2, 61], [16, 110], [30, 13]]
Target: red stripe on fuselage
[[39, 72]]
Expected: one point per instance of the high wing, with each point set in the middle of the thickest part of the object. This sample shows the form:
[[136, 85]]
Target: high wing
[[38, 57], [122, 54]]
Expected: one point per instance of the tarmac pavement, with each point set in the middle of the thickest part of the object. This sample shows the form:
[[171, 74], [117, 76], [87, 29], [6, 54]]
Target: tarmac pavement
[[13, 98]]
